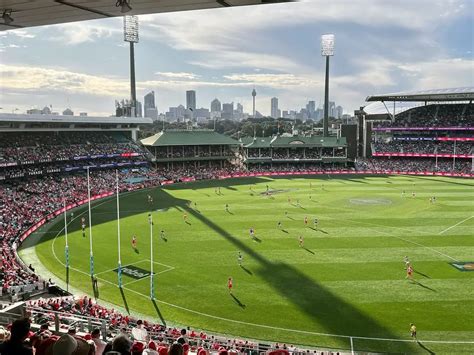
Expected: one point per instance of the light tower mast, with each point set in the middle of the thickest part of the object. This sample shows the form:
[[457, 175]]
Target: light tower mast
[[130, 35], [327, 50], [254, 93]]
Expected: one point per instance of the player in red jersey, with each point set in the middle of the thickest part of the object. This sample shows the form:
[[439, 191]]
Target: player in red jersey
[[305, 220], [229, 284], [409, 272]]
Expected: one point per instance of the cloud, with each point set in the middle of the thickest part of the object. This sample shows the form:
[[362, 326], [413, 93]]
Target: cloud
[[84, 32], [178, 75]]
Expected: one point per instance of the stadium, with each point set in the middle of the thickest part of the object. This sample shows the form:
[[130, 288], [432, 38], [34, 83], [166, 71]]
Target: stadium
[[285, 244]]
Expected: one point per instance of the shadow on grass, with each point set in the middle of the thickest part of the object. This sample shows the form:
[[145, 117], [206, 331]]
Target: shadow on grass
[[424, 286], [229, 212], [136, 251], [241, 305], [421, 274], [124, 299], [158, 312], [256, 239], [284, 231], [311, 297], [424, 347], [246, 270], [308, 250]]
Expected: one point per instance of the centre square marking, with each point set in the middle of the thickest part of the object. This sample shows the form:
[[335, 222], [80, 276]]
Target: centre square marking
[[138, 273]]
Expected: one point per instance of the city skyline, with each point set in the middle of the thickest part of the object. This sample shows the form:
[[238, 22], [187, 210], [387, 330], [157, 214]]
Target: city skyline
[[84, 66]]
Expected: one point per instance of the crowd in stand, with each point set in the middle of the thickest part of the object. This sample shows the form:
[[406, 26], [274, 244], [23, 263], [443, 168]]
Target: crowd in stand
[[141, 334], [415, 165], [191, 152], [422, 147], [443, 115], [307, 153], [31, 147]]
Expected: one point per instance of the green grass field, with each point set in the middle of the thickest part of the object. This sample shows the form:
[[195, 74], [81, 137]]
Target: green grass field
[[349, 279]]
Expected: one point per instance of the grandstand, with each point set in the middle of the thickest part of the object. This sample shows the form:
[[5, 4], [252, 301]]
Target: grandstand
[[295, 151], [434, 129], [173, 149]]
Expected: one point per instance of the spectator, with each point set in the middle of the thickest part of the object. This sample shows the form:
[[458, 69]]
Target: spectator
[[99, 343], [15, 345]]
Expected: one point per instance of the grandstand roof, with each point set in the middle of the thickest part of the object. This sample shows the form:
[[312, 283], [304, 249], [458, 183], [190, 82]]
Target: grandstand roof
[[27, 13], [453, 94], [295, 141], [188, 137]]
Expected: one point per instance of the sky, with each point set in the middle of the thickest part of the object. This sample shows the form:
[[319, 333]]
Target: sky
[[382, 46]]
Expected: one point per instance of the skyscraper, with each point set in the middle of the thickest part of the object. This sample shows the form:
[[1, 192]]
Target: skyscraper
[[191, 100], [149, 107], [311, 107], [228, 111], [339, 112], [274, 108], [216, 106], [138, 112]]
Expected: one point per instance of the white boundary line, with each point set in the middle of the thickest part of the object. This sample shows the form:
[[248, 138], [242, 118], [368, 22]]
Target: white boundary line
[[254, 324], [457, 224]]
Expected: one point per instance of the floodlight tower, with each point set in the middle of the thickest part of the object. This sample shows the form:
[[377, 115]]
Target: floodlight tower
[[130, 35], [327, 50], [254, 93]]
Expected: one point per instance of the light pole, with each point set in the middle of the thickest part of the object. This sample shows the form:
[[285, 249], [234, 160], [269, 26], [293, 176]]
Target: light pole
[[130, 35], [327, 50]]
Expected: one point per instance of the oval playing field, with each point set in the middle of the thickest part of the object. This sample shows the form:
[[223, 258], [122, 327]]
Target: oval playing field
[[347, 279]]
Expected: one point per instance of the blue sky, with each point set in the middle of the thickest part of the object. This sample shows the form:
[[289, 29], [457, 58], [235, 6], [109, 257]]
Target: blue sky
[[381, 46]]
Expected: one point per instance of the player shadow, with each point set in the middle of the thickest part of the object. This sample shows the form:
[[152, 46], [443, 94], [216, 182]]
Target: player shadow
[[187, 222], [424, 286], [420, 273], [246, 270], [284, 231], [302, 208], [289, 217], [136, 251], [256, 239], [321, 230], [312, 298], [309, 250], [241, 305], [229, 212], [420, 344], [158, 312], [164, 239], [95, 287], [124, 299]]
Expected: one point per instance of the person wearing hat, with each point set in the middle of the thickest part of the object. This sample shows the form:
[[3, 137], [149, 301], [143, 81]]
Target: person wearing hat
[[68, 345], [99, 343], [122, 344], [151, 349], [137, 348], [15, 346]]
